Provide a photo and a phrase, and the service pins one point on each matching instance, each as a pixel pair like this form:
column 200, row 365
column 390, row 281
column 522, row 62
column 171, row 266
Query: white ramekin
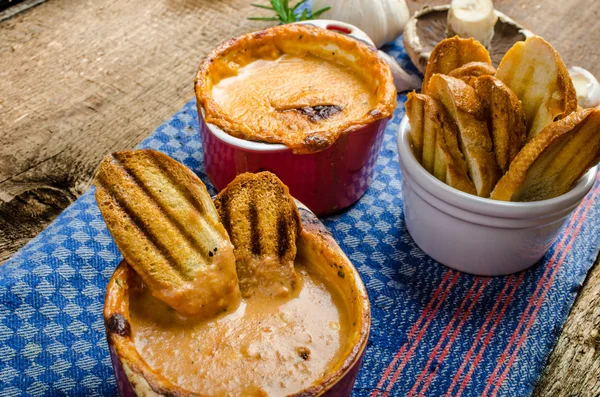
column 478, row 235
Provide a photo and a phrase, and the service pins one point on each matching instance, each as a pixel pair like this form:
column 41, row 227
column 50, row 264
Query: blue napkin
column 435, row 331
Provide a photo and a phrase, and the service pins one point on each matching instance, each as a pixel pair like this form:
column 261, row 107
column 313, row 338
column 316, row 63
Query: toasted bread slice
column 415, row 109
column 439, row 151
column 166, row 226
column 467, row 111
column 554, row 160
column 469, row 72
column 263, row 222
column 451, row 54
column 506, row 120
column 535, row 72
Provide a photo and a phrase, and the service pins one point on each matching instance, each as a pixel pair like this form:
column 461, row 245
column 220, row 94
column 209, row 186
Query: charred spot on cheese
column 118, row 324
column 319, row 112
column 303, row 352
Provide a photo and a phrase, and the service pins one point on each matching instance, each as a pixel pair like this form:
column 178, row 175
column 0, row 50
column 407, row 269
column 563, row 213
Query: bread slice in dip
column 167, row 228
column 263, row 222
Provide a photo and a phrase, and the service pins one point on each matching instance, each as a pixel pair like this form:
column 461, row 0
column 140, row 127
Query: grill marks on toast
column 160, row 216
column 115, row 201
column 263, row 223
column 554, row 160
column 163, row 208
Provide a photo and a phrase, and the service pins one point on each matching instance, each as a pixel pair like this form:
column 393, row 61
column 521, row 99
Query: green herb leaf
column 285, row 13
column 319, row 12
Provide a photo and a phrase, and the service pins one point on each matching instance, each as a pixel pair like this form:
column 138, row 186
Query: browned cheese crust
column 536, row 73
column 263, row 223
column 296, row 40
column 464, row 107
column 554, row 160
column 506, row 120
column 435, row 142
column 451, row 54
column 167, row 228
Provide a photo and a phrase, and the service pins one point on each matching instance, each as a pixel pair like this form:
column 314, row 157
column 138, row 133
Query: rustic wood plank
column 573, row 369
column 81, row 79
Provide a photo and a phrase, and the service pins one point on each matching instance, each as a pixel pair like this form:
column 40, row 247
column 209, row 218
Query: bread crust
column 536, row 73
column 263, row 222
column 440, row 150
column 464, row 107
column 554, row 160
column 164, row 223
column 506, row 119
column 469, row 72
column 452, row 53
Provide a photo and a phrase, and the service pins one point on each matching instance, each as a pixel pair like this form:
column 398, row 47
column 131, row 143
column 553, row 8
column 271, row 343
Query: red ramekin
column 136, row 378
column 326, row 181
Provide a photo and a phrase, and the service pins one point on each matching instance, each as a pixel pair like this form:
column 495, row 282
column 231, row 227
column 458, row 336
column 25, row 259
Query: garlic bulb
column 586, row 86
column 382, row 20
column 403, row 80
column 472, row 18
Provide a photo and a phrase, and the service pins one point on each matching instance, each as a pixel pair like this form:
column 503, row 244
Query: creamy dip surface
column 294, row 95
column 266, row 347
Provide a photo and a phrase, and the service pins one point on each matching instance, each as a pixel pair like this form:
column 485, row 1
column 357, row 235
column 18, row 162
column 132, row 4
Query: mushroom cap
column 427, row 28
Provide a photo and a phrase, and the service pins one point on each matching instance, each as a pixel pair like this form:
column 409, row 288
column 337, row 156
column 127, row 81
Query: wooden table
column 82, row 79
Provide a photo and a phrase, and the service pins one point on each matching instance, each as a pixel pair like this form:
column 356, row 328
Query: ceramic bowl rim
column 486, row 206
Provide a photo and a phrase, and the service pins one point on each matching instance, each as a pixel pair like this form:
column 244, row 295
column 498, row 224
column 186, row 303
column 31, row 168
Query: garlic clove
column 403, row 80
column 382, row 20
column 586, row 86
column 472, row 18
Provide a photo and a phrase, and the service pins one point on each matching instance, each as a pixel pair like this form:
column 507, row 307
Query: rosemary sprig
column 287, row 14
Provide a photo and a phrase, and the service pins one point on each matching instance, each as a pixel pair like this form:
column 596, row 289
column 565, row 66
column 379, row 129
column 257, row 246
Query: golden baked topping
column 269, row 346
column 167, row 228
column 263, row 223
column 451, row 54
column 297, row 85
column 535, row 72
column 553, row 160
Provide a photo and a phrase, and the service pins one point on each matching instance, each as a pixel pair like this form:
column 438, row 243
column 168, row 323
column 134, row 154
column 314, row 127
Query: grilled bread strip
column 535, row 72
column 451, row 54
column 166, row 226
column 263, row 222
column 467, row 111
column 469, row 72
column 554, row 160
column 440, row 152
column 506, row 120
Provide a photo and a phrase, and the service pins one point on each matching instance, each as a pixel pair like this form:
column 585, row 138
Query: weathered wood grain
column 81, row 79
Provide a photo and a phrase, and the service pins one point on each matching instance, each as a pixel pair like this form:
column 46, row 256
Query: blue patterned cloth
column 435, row 331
